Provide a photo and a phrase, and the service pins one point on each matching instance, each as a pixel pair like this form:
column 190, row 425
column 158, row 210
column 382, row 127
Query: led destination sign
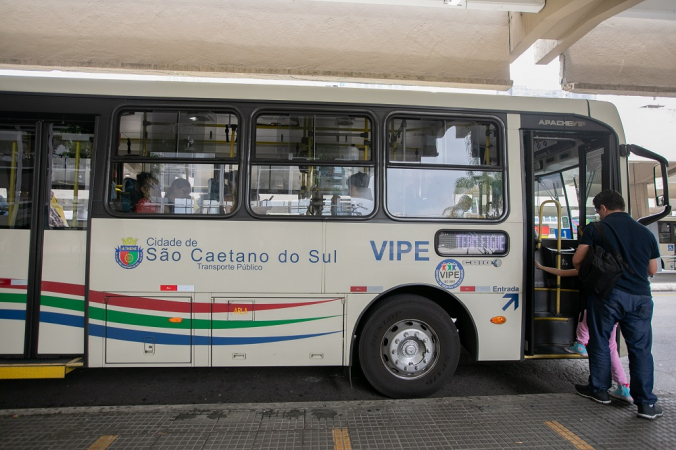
column 472, row 243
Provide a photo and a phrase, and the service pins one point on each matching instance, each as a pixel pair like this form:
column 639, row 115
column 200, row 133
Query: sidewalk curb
column 662, row 287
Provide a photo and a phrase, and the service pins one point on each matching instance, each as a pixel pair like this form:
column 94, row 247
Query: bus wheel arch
column 407, row 341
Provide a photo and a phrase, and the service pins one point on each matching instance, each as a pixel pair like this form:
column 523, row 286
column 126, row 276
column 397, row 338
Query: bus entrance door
column 567, row 172
column 43, row 216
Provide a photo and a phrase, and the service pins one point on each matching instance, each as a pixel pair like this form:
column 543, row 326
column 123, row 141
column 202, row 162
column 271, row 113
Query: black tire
column 394, row 355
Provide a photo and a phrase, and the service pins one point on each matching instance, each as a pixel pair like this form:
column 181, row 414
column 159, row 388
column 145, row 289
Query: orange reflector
column 498, row 319
column 175, row 320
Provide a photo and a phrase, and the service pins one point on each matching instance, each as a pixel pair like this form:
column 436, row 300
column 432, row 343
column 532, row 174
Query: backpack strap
column 599, row 228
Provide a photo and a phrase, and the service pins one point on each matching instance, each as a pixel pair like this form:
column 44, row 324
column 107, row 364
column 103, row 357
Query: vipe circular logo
column 129, row 255
column 449, row 274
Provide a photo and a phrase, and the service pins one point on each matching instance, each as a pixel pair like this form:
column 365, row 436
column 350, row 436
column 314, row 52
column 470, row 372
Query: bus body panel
column 13, row 290
column 398, row 255
column 146, row 330
column 206, row 256
column 225, row 260
column 62, row 295
column 261, row 330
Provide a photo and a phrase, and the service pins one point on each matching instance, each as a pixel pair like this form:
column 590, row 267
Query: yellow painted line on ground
column 103, row 442
column 341, row 439
column 577, row 441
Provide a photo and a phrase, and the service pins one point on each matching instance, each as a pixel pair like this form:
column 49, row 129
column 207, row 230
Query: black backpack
column 601, row 267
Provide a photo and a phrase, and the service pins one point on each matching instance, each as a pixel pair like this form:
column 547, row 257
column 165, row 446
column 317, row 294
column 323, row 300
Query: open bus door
column 567, row 169
column 43, row 220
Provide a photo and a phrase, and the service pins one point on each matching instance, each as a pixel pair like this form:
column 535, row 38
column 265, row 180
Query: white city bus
column 665, row 233
column 188, row 224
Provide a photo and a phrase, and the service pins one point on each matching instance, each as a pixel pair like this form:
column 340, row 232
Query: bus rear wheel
column 409, row 347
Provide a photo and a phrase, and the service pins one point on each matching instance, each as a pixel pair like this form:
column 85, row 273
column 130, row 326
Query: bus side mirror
column 659, row 200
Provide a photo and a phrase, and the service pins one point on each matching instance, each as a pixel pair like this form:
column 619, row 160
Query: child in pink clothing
column 582, row 335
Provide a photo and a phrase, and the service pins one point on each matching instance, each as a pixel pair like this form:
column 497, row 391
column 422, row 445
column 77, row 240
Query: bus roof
column 242, row 89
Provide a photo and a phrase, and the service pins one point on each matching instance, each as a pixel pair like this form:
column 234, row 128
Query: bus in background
column 665, row 232
column 192, row 224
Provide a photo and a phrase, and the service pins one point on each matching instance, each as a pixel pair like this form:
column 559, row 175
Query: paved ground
column 546, row 421
column 542, row 421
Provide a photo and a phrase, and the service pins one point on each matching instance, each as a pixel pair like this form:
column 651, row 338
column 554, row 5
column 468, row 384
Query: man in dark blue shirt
column 630, row 303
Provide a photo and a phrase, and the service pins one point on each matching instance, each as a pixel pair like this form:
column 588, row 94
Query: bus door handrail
column 558, row 247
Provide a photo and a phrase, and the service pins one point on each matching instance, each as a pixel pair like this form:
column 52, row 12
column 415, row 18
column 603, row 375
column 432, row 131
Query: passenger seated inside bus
column 212, row 203
column 127, row 194
column 146, row 186
column 362, row 199
column 178, row 197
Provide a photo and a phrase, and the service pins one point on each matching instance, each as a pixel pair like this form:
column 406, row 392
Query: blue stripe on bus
column 177, row 339
column 62, row 319
column 13, row 314
column 46, row 317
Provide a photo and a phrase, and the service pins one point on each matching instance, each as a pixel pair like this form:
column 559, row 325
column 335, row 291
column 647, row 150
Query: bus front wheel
column 409, row 347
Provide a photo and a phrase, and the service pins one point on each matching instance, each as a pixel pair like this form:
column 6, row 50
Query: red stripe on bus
column 357, row 288
column 63, row 288
column 46, row 286
column 152, row 304
column 467, row 288
column 200, row 308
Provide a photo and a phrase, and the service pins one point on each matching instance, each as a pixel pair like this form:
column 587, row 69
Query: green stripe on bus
column 64, row 303
column 12, row 298
column 198, row 324
column 230, row 324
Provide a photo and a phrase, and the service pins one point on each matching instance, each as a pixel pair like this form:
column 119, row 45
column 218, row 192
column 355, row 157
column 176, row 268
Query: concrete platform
column 545, row 421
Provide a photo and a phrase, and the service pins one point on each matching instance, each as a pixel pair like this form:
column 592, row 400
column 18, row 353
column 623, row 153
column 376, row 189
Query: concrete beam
column 284, row 38
column 560, row 24
column 526, row 29
column 532, row 6
column 602, row 10
column 625, row 56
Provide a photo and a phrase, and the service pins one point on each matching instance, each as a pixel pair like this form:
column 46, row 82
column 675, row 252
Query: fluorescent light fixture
column 528, row 6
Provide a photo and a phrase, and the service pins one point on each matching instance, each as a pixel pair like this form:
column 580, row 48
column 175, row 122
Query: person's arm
column 579, row 255
column 652, row 267
column 557, row 272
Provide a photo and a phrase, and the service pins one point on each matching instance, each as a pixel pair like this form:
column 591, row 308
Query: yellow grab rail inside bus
column 558, row 247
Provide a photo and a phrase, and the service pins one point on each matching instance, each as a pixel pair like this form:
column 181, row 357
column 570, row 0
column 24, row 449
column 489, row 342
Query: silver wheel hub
column 410, row 348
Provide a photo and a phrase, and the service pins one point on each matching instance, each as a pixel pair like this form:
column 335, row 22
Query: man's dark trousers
column 634, row 314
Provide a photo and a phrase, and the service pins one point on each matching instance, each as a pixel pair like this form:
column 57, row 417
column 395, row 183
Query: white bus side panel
column 62, row 297
column 268, row 263
column 487, row 286
column 277, row 331
column 159, row 337
column 13, row 283
column 207, row 256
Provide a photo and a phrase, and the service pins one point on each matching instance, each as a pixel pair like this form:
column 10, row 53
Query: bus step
column 38, row 368
column 552, row 351
column 555, row 330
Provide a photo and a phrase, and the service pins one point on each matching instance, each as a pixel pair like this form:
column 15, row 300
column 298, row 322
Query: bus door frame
column 609, row 178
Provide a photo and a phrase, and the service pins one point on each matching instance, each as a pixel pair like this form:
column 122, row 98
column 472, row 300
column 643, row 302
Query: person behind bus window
column 362, row 199
column 180, row 190
column 146, row 185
